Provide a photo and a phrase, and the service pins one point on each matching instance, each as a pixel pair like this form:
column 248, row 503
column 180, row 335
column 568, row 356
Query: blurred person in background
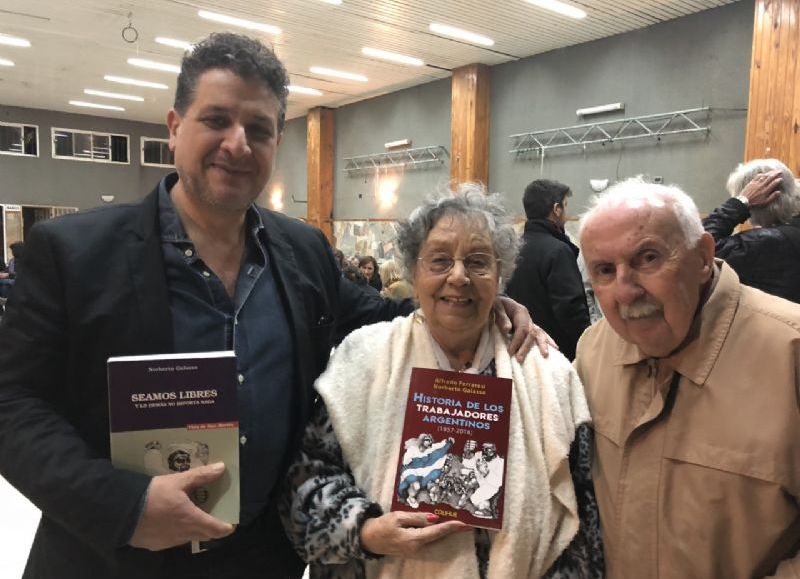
column 369, row 268
column 767, row 256
column 547, row 280
column 394, row 284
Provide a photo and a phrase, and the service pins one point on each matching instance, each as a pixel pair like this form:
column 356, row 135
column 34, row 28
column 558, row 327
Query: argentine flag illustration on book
column 423, row 462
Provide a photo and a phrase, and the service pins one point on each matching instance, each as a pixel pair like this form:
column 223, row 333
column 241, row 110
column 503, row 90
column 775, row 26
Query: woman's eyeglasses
column 479, row 264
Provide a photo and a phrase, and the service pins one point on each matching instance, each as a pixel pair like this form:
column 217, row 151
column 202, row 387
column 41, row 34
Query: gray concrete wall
column 695, row 61
column 43, row 180
column 290, row 174
column 422, row 114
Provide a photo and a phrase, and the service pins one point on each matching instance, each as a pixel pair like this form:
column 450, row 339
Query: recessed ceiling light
column 153, row 65
column 112, row 95
column 460, row 34
column 336, row 2
column 174, row 43
column 240, row 22
column 135, row 82
column 95, row 106
column 304, row 90
column 338, row 73
column 6, row 62
column 14, row 40
column 393, row 56
column 559, row 7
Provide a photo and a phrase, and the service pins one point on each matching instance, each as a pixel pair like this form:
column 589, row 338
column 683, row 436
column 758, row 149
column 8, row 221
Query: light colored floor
column 18, row 520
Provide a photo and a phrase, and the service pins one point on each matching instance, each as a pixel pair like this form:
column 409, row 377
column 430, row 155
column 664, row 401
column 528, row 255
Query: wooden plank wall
column 320, row 169
column 469, row 151
column 773, row 117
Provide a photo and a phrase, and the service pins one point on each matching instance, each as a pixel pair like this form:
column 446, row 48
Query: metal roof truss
column 642, row 127
column 418, row 157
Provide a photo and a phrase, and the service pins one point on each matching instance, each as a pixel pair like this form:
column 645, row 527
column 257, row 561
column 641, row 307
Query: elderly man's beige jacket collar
column 697, row 357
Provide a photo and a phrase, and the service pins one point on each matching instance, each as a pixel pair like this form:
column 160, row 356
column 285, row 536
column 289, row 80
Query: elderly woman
column 456, row 250
column 394, row 284
column 767, row 256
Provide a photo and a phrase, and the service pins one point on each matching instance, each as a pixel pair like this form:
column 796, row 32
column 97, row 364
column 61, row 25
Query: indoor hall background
column 702, row 57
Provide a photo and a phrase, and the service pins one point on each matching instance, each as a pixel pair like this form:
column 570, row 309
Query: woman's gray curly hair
column 470, row 201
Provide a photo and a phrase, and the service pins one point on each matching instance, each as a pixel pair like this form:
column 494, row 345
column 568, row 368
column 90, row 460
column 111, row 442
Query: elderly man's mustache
column 640, row 309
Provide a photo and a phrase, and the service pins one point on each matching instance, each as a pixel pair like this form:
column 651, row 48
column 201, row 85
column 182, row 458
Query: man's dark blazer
column 94, row 286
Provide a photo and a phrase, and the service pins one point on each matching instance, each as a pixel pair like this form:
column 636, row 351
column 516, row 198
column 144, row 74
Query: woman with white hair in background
column 455, row 250
column 767, row 256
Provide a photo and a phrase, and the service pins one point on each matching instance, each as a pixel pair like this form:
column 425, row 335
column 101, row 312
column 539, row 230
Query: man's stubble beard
column 199, row 190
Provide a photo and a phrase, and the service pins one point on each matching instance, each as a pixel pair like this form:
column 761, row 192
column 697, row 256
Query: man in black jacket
column 194, row 267
column 767, row 256
column 547, row 280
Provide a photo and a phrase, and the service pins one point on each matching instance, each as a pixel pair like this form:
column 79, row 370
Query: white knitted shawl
column 365, row 389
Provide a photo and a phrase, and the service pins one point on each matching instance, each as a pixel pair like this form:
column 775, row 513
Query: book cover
column 169, row 413
column 453, row 448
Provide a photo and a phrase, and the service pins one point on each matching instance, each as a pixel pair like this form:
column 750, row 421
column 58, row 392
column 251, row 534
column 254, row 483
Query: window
column 156, row 152
column 19, row 140
column 89, row 146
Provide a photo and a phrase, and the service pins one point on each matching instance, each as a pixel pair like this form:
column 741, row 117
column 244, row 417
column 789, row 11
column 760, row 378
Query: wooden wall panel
column 469, row 151
column 773, row 118
column 320, row 169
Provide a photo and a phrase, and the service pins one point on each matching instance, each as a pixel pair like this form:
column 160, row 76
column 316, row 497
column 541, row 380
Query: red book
column 454, row 447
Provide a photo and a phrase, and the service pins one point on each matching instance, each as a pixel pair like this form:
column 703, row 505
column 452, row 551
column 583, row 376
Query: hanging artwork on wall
column 375, row 238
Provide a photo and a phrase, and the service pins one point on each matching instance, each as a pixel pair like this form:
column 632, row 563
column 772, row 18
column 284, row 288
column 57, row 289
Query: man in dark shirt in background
column 547, row 280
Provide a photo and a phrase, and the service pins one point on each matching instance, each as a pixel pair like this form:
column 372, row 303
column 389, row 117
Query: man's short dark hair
column 541, row 195
column 246, row 57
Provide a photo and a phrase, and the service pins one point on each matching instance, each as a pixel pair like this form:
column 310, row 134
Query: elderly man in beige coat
column 692, row 381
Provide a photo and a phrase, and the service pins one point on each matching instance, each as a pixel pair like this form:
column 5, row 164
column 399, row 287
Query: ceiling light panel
column 96, row 106
column 135, row 82
column 297, row 89
column 112, row 95
column 174, row 43
column 153, row 65
column 9, row 40
column 338, row 73
column 460, row 34
column 6, row 62
column 559, row 8
column 240, row 22
column 392, row 56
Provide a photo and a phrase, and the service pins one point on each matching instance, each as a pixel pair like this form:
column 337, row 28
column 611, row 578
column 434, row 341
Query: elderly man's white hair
column 779, row 211
column 636, row 192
